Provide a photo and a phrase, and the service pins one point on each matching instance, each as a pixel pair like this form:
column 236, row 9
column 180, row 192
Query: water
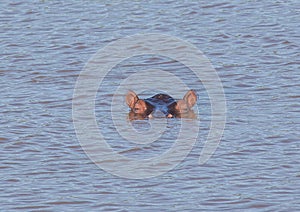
column 254, row 46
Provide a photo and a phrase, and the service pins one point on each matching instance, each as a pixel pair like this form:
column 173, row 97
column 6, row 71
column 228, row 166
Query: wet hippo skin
column 161, row 105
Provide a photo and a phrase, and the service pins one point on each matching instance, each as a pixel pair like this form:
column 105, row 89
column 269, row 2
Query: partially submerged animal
column 161, row 104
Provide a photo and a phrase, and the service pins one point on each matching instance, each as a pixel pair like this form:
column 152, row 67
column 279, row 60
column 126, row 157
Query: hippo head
column 161, row 103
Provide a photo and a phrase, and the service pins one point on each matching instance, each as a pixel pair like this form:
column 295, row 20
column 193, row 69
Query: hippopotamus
column 162, row 105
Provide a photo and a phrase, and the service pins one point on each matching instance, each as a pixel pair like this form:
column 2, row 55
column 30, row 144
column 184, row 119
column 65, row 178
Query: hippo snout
column 158, row 114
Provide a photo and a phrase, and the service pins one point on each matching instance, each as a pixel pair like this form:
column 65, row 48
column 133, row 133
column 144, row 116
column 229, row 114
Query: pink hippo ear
column 190, row 98
column 188, row 101
column 131, row 99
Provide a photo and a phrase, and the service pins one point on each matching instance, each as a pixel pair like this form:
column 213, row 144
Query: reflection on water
column 253, row 45
column 187, row 115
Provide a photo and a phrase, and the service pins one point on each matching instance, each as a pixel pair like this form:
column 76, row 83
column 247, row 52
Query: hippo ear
column 131, row 99
column 190, row 98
